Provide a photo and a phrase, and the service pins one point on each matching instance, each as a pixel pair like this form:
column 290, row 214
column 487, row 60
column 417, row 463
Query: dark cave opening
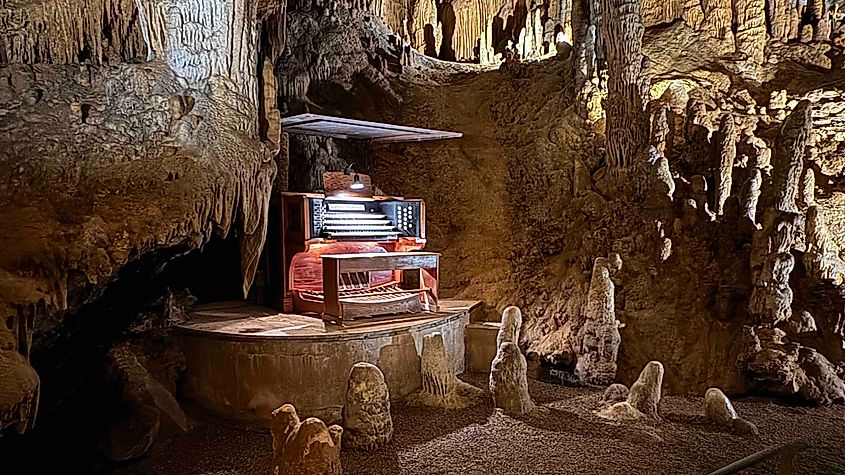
column 78, row 393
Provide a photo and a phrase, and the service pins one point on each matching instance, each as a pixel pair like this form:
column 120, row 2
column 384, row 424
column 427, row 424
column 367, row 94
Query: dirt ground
column 564, row 437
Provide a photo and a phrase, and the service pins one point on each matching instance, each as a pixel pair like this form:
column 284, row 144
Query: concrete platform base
column 245, row 361
column 481, row 345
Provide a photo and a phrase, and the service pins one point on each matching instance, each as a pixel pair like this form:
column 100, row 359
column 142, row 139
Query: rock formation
column 304, row 447
column 440, row 386
column 366, row 416
column 788, row 158
column 726, row 148
column 718, row 408
column 509, row 381
column 644, row 394
column 771, row 263
column 822, row 255
column 146, row 135
column 614, row 393
column 599, row 336
column 135, row 133
column 628, row 82
column 19, row 392
column 751, row 34
column 776, row 365
column 146, row 400
column 510, row 326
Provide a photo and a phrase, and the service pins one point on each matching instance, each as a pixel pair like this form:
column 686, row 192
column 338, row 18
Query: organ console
column 348, row 253
column 347, row 257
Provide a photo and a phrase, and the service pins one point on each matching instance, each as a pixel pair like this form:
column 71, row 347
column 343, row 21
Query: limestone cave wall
column 128, row 127
column 525, row 203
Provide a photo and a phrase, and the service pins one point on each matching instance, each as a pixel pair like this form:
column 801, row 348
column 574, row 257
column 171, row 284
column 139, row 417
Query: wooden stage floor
column 242, row 319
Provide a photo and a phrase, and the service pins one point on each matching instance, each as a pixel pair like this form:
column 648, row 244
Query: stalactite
column 821, row 20
column 628, row 82
column 718, row 16
column 751, row 33
column 780, row 18
column 70, row 31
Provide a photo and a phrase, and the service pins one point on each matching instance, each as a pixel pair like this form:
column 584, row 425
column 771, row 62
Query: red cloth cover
column 306, row 268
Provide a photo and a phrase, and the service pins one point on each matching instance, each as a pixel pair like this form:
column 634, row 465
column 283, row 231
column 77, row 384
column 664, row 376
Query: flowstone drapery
column 440, row 386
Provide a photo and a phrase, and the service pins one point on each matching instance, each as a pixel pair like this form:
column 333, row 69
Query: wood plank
column 331, row 283
column 383, row 261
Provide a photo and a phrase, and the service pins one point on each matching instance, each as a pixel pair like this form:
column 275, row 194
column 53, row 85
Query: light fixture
column 356, row 183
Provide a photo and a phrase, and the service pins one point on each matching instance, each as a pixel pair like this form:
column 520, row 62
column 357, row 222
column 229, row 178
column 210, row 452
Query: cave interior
column 422, row 236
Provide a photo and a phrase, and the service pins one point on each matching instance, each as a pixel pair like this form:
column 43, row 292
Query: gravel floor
column 565, row 437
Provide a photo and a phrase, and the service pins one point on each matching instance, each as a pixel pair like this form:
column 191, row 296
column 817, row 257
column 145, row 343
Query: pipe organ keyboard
column 379, row 234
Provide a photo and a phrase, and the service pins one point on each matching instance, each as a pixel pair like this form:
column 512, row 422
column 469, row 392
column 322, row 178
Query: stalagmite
column 440, row 386
column 145, row 401
column 751, row 33
column 509, row 381
column 304, row 448
column 660, row 128
column 628, row 83
column 645, row 393
column 821, row 257
column 599, row 337
column 788, row 159
column 511, row 324
column 750, row 194
column 366, row 415
column 660, row 179
column 771, row 263
column 642, row 400
column 807, row 191
column 726, row 148
column 614, row 393
column 718, row 408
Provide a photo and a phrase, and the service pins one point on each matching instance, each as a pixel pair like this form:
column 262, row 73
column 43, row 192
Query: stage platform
column 244, row 361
